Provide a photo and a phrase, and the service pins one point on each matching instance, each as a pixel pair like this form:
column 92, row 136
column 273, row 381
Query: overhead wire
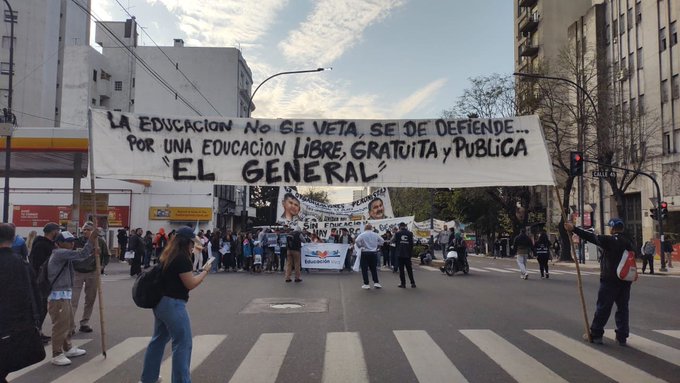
column 169, row 59
column 141, row 61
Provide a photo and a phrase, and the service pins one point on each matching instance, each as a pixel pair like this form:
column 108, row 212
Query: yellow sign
column 102, row 202
column 187, row 214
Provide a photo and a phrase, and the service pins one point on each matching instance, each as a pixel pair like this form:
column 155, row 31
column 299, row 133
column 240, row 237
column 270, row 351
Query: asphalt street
column 488, row 326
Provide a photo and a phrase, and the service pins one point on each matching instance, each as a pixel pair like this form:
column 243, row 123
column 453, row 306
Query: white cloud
column 223, row 22
column 419, row 97
column 333, row 27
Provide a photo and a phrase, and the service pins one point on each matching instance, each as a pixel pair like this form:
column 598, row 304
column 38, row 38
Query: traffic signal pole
column 656, row 185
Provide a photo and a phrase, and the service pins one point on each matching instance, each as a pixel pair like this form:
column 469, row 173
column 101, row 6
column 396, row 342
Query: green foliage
column 318, row 195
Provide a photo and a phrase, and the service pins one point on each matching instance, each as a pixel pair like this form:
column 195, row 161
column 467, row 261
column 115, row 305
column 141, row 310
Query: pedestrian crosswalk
column 514, row 270
column 526, row 356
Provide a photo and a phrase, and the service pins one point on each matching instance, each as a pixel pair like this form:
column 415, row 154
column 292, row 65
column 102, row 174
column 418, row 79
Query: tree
column 318, row 195
column 265, row 201
column 494, row 97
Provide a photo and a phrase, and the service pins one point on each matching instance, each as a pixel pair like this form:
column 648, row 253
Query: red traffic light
column 577, row 157
column 664, row 205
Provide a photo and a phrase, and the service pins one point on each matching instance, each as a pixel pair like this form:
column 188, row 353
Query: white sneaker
column 377, row 285
column 75, row 351
column 365, row 287
column 61, row 360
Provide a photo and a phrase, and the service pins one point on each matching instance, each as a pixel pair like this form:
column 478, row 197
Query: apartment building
column 634, row 43
column 58, row 77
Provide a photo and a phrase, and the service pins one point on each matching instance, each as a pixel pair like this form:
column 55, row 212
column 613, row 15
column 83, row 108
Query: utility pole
column 9, row 115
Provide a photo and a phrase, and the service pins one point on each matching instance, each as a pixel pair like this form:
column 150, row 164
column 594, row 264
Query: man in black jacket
column 612, row 289
column 40, row 253
column 16, row 301
column 403, row 241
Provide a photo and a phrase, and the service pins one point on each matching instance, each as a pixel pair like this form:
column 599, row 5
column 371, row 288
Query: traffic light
column 652, row 213
column 664, row 210
column 576, row 164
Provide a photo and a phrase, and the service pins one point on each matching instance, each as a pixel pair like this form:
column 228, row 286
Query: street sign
column 604, row 174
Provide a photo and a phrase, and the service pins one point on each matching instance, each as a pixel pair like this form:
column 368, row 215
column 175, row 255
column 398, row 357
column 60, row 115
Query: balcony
column 528, row 49
column 527, row 3
column 529, row 24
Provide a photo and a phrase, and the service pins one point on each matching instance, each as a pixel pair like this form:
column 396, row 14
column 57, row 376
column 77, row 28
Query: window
column 664, row 91
column 674, row 33
column 118, row 86
column 638, row 13
column 11, row 18
column 94, row 101
column 631, row 64
column 662, row 39
column 4, row 68
column 622, row 27
column 94, row 75
column 607, row 39
column 640, row 60
column 615, row 26
column 117, row 110
column 667, row 143
column 641, row 105
column 133, row 82
column 6, row 41
column 675, row 87
column 629, row 19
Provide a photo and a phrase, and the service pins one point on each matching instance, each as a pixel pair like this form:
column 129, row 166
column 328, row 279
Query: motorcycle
column 455, row 263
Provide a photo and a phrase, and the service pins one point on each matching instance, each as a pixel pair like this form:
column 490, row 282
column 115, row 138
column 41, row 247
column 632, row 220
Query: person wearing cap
column 61, row 274
column 171, row 319
column 368, row 243
column 403, row 241
column 612, row 289
column 40, row 252
column 86, row 276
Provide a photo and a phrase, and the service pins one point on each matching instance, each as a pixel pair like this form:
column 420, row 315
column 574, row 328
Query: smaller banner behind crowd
column 422, row 229
column 324, row 229
column 294, row 207
column 323, row 255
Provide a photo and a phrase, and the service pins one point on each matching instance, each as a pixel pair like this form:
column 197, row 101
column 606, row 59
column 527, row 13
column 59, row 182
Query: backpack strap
column 57, row 277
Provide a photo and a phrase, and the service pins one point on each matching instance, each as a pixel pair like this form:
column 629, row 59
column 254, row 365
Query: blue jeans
column 612, row 292
column 171, row 321
column 217, row 262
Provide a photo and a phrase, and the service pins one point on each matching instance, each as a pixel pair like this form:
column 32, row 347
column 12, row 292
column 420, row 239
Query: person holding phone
column 171, row 319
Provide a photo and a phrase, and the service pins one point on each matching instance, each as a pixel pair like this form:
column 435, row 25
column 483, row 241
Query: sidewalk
column 589, row 265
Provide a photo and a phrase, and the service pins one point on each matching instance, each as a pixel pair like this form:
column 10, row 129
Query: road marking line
column 263, row 362
column 661, row 351
column 479, row 270
column 428, row 268
column 598, row 360
column 99, row 366
column 673, row 333
column 521, row 366
column 48, row 358
column 203, row 345
column 518, row 270
column 567, row 272
column 426, row 358
column 344, row 359
column 499, row 270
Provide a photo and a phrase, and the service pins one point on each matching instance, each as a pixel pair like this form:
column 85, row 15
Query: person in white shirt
column 368, row 243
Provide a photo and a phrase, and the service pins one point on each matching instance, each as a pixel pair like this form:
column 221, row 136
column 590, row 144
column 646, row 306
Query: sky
column 391, row 59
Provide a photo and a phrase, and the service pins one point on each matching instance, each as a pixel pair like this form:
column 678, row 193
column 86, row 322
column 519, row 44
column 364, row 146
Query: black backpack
column 147, row 290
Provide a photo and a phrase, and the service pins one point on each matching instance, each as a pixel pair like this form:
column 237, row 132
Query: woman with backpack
column 171, row 319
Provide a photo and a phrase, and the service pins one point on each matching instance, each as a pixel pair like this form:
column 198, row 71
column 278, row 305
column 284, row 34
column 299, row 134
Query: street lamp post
column 8, row 114
column 250, row 107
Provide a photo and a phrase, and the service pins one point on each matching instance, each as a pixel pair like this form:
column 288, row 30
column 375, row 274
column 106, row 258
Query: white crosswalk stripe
column 344, row 349
column 598, row 360
column 673, row 333
column 498, row 270
column 48, row 352
column 426, row 358
column 202, row 346
column 661, row 351
column 344, row 358
column 269, row 350
column 100, row 366
column 479, row 270
column 514, row 361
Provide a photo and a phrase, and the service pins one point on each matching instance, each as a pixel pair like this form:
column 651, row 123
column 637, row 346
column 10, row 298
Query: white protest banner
column 295, row 207
column 323, row 229
column 429, row 153
column 323, row 255
column 422, row 229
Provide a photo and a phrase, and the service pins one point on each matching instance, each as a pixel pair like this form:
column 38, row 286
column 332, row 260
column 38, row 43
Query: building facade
column 633, row 47
column 59, row 68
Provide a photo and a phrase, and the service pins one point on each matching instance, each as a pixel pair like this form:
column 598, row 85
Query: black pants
column 543, row 263
column 369, row 260
column 282, row 259
column 406, row 262
column 612, row 292
column 648, row 259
